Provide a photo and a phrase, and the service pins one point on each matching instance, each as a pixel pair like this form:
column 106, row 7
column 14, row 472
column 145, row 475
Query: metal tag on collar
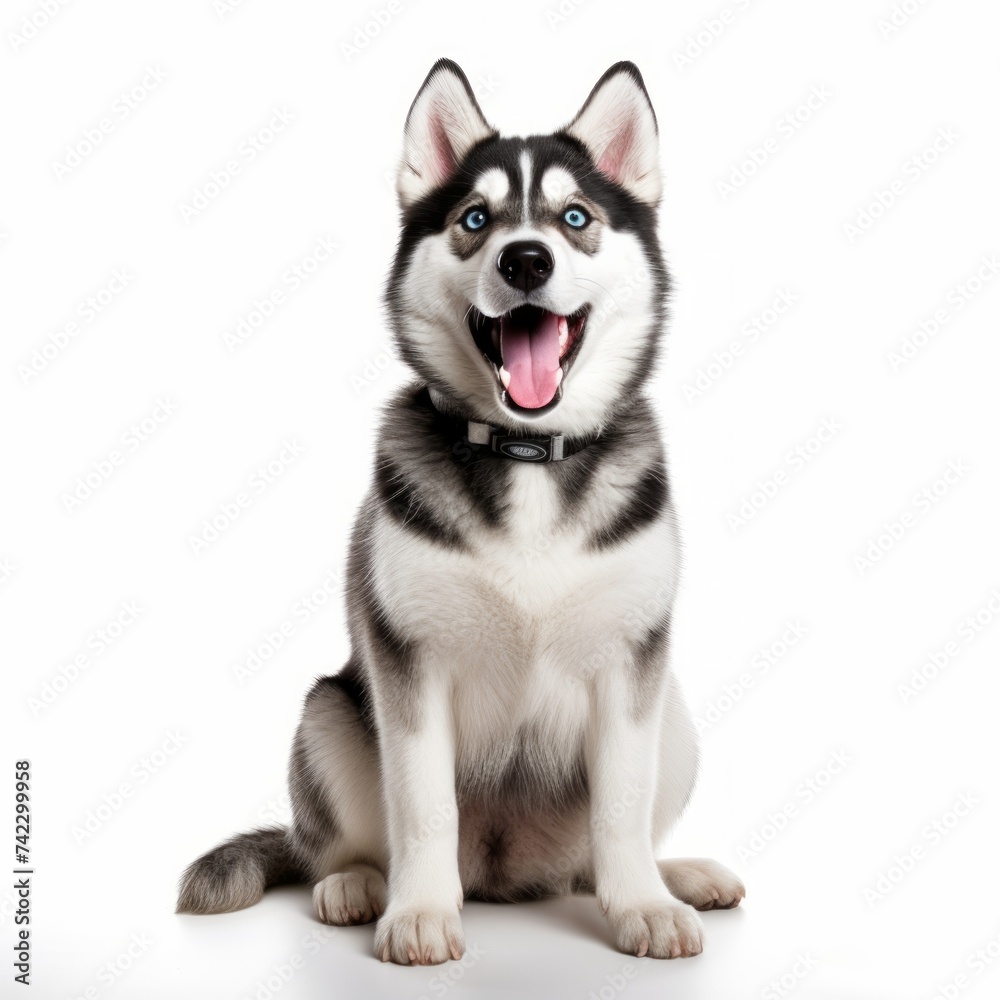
column 521, row 449
column 525, row 449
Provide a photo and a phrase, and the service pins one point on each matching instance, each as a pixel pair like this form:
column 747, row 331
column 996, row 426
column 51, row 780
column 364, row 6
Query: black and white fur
column 508, row 725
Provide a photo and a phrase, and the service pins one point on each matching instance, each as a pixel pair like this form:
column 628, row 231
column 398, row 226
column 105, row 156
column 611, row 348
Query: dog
column 508, row 725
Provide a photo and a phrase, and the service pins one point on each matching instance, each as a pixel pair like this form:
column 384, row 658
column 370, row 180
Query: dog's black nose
column 525, row 265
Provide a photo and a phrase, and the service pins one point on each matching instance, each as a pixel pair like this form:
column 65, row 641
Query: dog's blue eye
column 475, row 218
column 576, row 217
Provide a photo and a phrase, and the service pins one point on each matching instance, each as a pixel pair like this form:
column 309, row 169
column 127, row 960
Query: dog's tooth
column 559, row 377
column 563, row 331
column 504, row 377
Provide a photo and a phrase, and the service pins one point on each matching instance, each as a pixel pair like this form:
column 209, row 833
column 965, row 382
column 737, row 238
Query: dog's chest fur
column 518, row 581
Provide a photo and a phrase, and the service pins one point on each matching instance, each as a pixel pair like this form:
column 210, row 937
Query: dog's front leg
column 416, row 739
column 622, row 772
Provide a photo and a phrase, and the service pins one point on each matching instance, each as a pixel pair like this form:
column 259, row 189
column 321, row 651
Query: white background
column 315, row 372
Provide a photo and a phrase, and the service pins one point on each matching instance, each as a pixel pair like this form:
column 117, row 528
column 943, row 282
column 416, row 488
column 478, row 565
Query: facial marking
column 558, row 185
column 493, row 185
column 492, row 192
column 558, row 190
column 525, row 186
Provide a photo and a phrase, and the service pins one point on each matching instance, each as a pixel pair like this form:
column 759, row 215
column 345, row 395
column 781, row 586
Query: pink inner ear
column 445, row 163
column 614, row 159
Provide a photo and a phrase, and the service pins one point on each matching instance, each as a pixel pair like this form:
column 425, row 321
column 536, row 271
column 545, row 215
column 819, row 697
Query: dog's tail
column 236, row 873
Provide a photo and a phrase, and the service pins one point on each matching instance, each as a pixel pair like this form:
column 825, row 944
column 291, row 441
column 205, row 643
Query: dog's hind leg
column 703, row 883
column 339, row 823
column 355, row 895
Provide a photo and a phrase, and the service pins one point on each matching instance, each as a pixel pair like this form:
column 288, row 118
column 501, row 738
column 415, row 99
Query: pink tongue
column 532, row 358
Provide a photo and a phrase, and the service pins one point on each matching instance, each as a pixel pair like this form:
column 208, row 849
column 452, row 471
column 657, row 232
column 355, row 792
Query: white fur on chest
column 522, row 618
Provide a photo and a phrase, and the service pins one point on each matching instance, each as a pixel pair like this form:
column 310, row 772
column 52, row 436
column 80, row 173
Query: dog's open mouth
column 531, row 351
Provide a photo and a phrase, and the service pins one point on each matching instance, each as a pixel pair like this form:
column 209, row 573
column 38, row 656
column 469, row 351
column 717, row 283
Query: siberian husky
column 508, row 725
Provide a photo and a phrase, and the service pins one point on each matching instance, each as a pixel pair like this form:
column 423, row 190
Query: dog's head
column 528, row 283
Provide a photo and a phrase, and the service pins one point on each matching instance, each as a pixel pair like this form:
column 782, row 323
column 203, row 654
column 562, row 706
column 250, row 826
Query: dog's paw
column 703, row 883
column 351, row 897
column 421, row 935
column 657, row 929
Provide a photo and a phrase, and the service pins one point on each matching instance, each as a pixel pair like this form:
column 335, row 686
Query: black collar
column 520, row 447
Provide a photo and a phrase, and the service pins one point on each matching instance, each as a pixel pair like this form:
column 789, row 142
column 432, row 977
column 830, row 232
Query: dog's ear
column 618, row 127
column 444, row 123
